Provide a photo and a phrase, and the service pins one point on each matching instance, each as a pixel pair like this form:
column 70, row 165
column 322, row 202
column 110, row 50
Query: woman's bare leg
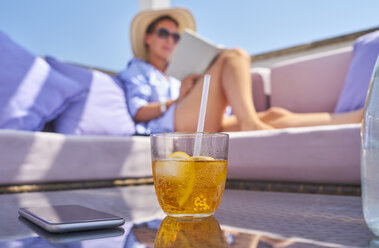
column 282, row 118
column 230, row 84
column 236, row 79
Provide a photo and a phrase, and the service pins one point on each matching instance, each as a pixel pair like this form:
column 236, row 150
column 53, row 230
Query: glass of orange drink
column 189, row 185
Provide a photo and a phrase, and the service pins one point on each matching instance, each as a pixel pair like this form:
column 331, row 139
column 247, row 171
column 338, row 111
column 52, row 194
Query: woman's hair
column 150, row 29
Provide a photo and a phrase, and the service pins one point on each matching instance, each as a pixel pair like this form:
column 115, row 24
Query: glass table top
column 244, row 219
column 169, row 232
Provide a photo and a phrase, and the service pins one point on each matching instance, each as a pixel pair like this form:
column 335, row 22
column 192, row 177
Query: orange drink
column 189, row 186
column 204, row 232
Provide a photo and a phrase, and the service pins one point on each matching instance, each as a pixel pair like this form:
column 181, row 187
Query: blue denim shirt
column 145, row 84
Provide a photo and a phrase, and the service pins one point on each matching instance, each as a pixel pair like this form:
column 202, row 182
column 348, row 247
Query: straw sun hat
column 143, row 19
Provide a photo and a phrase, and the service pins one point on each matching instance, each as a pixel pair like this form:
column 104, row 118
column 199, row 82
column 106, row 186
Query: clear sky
column 96, row 32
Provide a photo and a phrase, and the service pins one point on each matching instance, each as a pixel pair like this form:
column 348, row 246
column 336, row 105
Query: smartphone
column 68, row 218
column 68, row 237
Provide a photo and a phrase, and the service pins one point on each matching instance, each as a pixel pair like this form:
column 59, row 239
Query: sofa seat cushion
column 323, row 154
column 40, row 157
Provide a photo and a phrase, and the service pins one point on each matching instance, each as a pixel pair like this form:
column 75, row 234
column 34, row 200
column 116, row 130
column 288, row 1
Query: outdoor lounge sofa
column 321, row 154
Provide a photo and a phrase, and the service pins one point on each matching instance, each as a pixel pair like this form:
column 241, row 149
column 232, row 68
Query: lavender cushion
column 353, row 94
column 31, row 92
column 102, row 112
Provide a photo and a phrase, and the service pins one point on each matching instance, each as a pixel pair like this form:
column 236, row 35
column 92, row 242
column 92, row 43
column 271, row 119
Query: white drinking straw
column 203, row 110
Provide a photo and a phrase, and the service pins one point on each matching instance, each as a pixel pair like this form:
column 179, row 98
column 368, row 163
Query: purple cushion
column 102, row 112
column 31, row 92
column 353, row 94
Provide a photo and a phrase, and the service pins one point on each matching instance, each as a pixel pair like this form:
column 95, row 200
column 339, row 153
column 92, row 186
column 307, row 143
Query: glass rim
column 189, row 134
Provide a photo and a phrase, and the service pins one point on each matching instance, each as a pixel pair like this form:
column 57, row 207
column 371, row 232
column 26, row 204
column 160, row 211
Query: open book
column 193, row 55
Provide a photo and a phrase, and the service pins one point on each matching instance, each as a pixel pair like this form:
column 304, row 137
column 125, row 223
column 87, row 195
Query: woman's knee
column 235, row 52
column 241, row 53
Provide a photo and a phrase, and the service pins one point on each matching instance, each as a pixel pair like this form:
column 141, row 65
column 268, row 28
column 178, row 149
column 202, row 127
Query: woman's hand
column 187, row 84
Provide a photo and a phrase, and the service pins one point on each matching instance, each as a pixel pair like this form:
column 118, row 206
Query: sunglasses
column 164, row 34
